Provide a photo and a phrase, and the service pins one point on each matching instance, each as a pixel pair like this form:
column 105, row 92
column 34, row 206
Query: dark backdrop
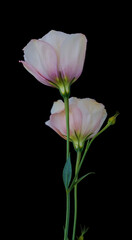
column 35, row 189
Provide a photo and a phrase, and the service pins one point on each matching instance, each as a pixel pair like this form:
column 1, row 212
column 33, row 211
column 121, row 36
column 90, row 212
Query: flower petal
column 101, row 116
column 42, row 57
column 55, row 39
column 35, row 73
column 75, row 120
column 58, row 123
column 49, row 124
column 94, row 115
column 72, row 55
column 57, row 107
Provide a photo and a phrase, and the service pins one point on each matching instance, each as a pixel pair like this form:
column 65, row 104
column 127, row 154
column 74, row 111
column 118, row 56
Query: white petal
column 101, row 118
column 94, row 115
column 57, row 107
column 55, row 39
column 72, row 56
column 42, row 57
column 73, row 100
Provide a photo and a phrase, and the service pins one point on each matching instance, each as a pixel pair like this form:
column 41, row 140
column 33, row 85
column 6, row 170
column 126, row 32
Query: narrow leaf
column 80, row 179
column 67, row 173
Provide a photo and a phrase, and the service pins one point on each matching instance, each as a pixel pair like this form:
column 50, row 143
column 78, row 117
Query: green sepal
column 67, row 173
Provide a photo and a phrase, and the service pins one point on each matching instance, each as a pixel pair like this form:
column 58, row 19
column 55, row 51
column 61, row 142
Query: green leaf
column 80, row 179
column 67, row 173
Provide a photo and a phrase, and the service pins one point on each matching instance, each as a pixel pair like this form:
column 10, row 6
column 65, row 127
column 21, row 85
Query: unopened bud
column 112, row 120
column 81, row 238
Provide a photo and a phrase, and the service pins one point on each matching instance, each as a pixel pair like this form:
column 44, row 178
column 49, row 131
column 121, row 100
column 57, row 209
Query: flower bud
column 81, row 238
column 112, row 120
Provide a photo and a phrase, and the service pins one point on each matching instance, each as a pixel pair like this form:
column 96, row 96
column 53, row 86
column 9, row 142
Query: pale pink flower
column 86, row 117
column 56, row 59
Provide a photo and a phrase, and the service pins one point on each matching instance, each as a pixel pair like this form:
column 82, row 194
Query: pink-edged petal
column 58, row 123
column 42, row 57
column 55, row 39
column 49, row 124
column 35, row 73
column 72, row 56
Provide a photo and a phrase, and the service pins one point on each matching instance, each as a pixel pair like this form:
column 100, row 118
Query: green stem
column 66, row 101
column 75, row 195
column 67, row 216
column 89, row 144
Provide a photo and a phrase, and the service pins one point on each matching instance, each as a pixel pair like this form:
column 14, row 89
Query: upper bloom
column 86, row 117
column 56, row 59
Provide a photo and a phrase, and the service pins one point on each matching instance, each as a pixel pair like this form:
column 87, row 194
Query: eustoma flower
column 86, row 117
column 56, row 59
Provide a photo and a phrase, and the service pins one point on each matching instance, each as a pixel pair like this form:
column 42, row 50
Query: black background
column 36, row 196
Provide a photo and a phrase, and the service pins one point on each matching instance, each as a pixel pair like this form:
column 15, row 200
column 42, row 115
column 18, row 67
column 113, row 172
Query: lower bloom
column 86, row 117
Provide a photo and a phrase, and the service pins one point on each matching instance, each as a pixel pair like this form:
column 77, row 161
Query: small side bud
column 112, row 120
column 81, row 238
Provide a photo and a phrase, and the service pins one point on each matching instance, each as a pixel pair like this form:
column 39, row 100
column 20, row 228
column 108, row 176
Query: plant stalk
column 75, row 194
column 66, row 101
